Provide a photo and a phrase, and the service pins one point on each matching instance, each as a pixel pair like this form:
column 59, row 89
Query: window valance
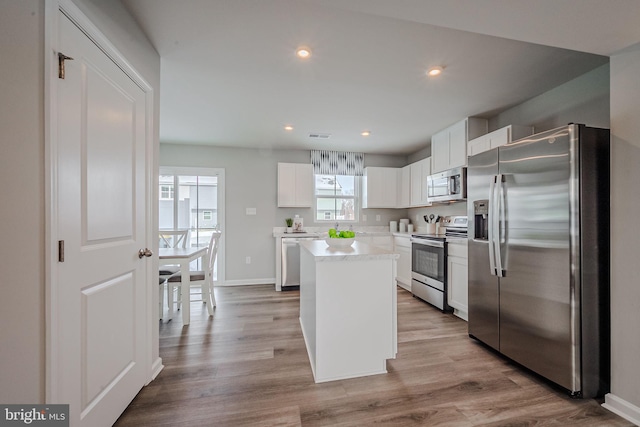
column 337, row 162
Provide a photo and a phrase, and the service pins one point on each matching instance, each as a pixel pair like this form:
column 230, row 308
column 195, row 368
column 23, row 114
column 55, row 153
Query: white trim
column 52, row 29
column 618, row 406
column 247, row 282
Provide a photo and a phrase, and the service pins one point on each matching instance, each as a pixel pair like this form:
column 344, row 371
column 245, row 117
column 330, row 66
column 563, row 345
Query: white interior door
column 101, row 284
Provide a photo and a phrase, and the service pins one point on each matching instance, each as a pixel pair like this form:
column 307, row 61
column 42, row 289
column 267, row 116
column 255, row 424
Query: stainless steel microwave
column 447, row 186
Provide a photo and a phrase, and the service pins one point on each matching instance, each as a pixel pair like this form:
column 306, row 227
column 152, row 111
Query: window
column 336, row 197
column 166, row 191
column 207, row 215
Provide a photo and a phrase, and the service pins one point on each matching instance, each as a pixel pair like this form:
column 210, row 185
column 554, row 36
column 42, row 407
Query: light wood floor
column 248, row 366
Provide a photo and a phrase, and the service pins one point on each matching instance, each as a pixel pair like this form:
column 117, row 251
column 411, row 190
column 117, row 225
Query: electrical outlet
column 248, row 260
column 377, row 217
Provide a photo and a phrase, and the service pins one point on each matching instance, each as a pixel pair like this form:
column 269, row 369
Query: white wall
column 22, row 306
column 251, row 179
column 22, row 225
column 625, row 232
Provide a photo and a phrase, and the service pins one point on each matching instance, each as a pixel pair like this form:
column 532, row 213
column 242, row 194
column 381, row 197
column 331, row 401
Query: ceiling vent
column 320, row 135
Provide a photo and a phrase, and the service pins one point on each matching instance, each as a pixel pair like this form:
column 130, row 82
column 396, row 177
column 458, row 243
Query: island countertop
column 356, row 252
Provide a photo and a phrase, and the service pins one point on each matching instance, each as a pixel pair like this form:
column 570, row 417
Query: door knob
column 145, row 252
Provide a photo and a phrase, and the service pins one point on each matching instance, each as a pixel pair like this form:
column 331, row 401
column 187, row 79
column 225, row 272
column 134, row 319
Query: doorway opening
column 193, row 199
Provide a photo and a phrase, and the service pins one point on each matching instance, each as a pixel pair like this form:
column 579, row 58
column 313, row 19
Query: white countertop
column 357, row 251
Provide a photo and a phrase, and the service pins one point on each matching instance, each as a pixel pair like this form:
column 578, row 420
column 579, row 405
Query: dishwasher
column 291, row 261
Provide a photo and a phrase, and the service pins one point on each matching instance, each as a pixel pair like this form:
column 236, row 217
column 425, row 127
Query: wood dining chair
column 202, row 278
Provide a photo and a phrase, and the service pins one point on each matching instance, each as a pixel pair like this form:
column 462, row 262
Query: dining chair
column 173, row 238
column 163, row 283
column 199, row 278
column 169, row 239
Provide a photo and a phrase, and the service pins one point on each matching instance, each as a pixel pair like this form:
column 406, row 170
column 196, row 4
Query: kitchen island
column 348, row 309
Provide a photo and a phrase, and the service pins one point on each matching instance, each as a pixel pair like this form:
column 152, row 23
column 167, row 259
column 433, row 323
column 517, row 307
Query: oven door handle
column 425, row 242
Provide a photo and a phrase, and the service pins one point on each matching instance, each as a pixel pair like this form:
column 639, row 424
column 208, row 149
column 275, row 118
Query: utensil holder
column 431, row 228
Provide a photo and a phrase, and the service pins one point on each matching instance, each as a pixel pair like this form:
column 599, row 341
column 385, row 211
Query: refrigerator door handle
column 500, row 218
column 491, row 226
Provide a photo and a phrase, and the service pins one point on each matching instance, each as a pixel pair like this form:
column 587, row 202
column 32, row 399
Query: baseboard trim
column 245, row 282
column 618, row 406
column 156, row 367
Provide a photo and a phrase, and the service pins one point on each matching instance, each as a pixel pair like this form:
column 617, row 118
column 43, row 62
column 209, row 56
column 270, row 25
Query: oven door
column 427, row 260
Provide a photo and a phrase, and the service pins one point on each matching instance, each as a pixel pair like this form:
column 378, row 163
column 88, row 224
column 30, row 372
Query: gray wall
column 22, row 170
column 584, row 99
column 625, row 234
column 251, row 180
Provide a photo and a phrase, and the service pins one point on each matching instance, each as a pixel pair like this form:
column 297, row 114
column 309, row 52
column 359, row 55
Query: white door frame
column 53, row 349
column 219, row 172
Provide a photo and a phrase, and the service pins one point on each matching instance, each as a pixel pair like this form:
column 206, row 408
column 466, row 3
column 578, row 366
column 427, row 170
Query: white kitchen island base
column 348, row 309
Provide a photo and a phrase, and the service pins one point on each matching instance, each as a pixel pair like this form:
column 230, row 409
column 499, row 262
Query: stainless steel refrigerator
column 538, row 213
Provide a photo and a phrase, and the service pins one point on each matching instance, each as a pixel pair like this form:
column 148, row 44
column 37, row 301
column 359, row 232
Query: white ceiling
column 230, row 77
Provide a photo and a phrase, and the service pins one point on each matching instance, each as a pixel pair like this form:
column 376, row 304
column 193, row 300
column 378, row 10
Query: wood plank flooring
column 248, row 366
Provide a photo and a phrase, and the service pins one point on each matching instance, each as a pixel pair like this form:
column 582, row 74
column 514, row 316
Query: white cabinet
column 449, row 146
column 402, row 246
column 418, row 174
column 404, row 187
column 384, row 241
column 295, row 185
column 497, row 138
column 380, row 186
column 458, row 277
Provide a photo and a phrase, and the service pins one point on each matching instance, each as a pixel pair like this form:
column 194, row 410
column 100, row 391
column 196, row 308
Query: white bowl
column 339, row 242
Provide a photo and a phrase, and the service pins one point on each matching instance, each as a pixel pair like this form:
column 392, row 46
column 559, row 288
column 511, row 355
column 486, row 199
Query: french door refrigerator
column 538, row 213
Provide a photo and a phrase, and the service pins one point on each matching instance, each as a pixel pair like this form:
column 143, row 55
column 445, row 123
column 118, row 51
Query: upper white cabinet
column 418, row 173
column 449, row 146
column 379, row 187
column 497, row 138
column 404, row 187
column 295, row 185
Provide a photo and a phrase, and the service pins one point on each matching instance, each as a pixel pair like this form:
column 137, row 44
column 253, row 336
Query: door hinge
column 61, row 58
column 60, row 250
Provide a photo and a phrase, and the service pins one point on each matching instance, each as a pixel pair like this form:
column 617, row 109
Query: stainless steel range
column 429, row 262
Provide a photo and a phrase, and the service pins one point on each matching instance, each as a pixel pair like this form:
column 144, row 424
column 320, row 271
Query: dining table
column 183, row 257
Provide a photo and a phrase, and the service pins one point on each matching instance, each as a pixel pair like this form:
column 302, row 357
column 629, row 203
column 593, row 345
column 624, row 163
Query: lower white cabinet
column 458, row 277
column 383, row 241
column 402, row 246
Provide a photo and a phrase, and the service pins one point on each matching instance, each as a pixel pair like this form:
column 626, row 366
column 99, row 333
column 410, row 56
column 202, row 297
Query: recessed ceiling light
column 365, row 133
column 435, row 71
column 303, row 52
column 288, row 127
